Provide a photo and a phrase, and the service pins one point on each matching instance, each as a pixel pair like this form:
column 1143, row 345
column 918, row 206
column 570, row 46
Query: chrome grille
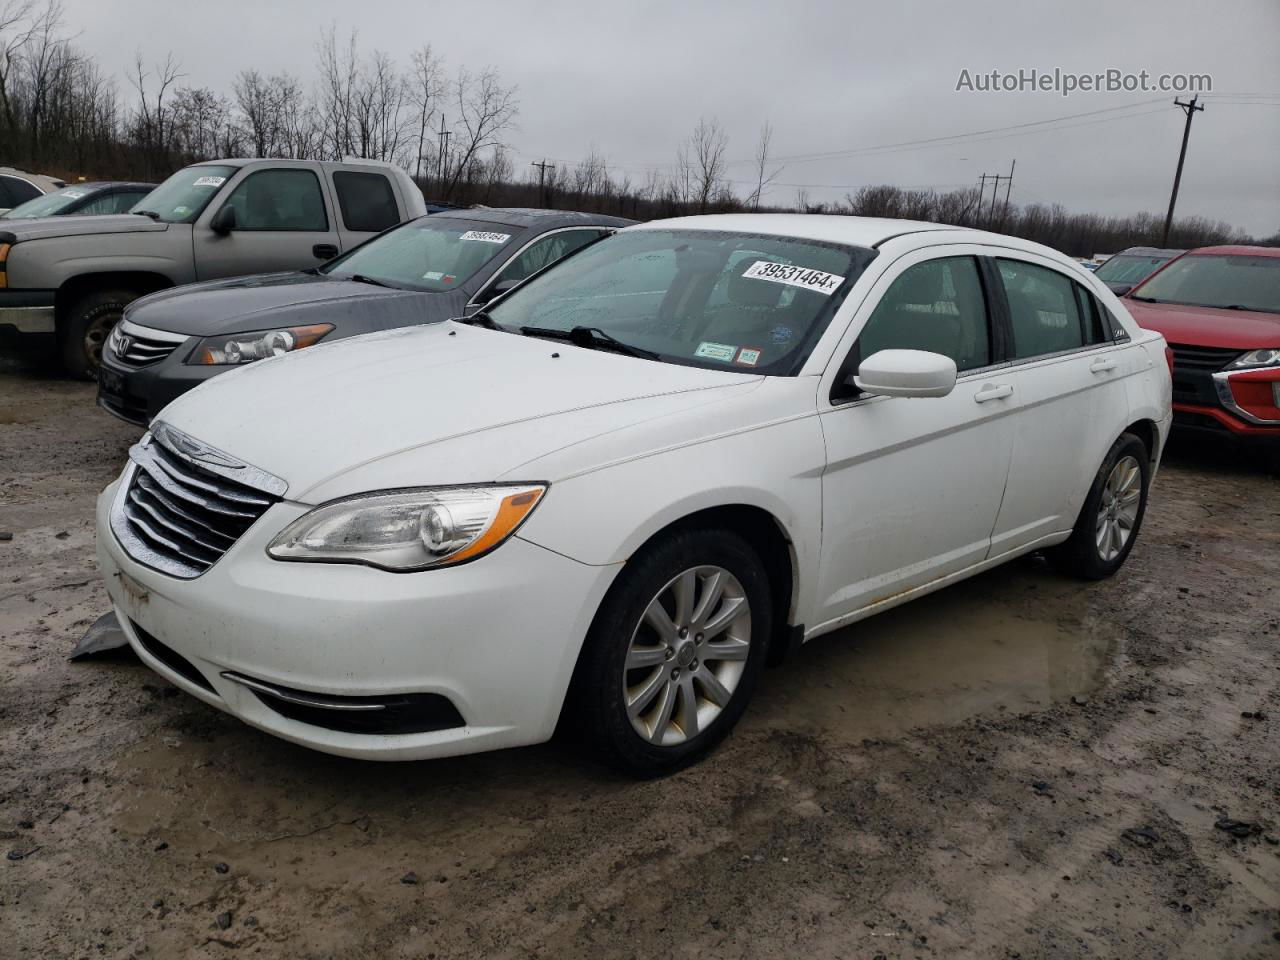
column 1201, row 359
column 178, row 510
column 137, row 346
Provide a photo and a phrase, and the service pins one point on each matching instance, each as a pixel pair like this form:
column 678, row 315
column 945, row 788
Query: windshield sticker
column 486, row 236
column 209, row 181
column 748, row 356
column 782, row 334
column 73, row 194
column 448, row 278
column 716, row 351
column 816, row 280
column 432, row 275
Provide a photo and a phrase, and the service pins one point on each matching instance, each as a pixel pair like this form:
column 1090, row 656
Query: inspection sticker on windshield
column 816, row 280
column 209, row 181
column 73, row 194
column 716, row 351
column 486, row 236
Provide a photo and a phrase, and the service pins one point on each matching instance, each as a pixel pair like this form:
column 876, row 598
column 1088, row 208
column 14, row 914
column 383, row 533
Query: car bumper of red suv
column 1245, row 403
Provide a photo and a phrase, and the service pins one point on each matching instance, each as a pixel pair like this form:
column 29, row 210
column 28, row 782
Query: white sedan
column 630, row 482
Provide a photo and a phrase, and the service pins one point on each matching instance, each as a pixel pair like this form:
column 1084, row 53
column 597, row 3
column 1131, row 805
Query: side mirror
column 906, row 373
column 224, row 221
column 1119, row 289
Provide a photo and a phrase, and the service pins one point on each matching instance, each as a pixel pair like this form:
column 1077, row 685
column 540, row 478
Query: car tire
column 1108, row 524
column 635, row 668
column 85, row 328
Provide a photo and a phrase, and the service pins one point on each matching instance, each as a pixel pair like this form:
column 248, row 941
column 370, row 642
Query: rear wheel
column 84, row 330
column 1108, row 524
column 674, row 652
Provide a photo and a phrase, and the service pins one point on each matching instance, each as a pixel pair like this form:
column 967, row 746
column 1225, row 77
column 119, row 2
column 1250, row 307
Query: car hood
column 281, row 299
column 1208, row 326
column 44, row 228
column 440, row 404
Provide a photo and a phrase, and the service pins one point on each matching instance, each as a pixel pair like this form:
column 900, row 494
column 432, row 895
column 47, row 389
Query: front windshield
column 1128, row 268
column 47, row 204
column 430, row 253
column 182, row 197
column 727, row 301
column 1242, row 282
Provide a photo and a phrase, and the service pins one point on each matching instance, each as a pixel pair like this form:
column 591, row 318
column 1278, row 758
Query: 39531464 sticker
column 486, row 236
column 818, row 281
column 724, row 352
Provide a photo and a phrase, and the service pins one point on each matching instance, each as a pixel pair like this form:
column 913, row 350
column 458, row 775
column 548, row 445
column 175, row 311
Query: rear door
column 1069, row 374
column 913, row 484
column 366, row 204
column 282, row 223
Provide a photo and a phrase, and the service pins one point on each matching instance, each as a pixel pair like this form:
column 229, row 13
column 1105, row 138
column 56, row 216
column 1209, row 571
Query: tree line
column 61, row 113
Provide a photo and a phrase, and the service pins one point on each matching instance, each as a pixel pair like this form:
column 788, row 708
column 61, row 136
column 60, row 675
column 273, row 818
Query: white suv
column 629, row 482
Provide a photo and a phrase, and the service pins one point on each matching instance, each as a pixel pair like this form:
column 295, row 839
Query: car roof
column 1235, row 250
column 525, row 217
column 104, row 184
column 832, row 228
column 1149, row 252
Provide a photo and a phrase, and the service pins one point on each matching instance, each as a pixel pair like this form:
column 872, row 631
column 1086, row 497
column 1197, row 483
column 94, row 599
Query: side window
column 279, row 200
column 19, row 190
column 104, row 203
column 1043, row 310
column 937, row 306
column 545, row 251
column 6, row 201
column 1096, row 320
column 366, row 200
column 125, row 201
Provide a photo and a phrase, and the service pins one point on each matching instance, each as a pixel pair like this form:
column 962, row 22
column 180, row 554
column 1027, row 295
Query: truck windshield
column 753, row 303
column 182, row 197
column 1214, row 280
column 431, row 253
column 47, row 204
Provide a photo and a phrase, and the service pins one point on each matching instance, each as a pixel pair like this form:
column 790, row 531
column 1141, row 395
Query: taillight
column 1168, row 358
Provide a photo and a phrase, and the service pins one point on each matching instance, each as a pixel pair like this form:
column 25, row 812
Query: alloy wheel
column 687, row 655
column 95, row 336
column 1118, row 509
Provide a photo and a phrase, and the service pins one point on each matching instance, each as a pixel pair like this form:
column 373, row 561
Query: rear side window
column 366, row 200
column 545, row 251
column 19, row 190
column 937, row 306
column 1043, row 310
column 279, row 200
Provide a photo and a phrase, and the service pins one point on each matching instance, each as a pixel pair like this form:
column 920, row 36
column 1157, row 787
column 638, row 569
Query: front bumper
column 138, row 394
column 1244, row 403
column 28, row 311
column 498, row 638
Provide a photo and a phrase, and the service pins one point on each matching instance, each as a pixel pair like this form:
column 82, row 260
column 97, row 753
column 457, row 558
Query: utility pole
column 542, row 166
column 1190, row 110
column 443, row 143
column 1008, row 187
column 995, row 179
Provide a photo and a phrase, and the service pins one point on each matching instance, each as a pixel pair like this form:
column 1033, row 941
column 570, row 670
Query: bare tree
column 15, row 33
column 486, row 109
column 426, row 87
column 763, row 178
column 706, row 154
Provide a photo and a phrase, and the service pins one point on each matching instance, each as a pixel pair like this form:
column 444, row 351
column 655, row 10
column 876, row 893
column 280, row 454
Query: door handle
column 324, row 251
column 993, row 391
column 1102, row 365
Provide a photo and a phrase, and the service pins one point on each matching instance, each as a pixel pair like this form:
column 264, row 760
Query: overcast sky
column 633, row 78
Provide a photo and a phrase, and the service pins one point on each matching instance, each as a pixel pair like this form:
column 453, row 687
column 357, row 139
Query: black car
column 443, row 265
column 82, row 199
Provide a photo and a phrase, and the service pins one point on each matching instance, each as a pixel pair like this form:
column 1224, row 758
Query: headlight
column 234, row 348
column 1266, row 357
column 409, row 529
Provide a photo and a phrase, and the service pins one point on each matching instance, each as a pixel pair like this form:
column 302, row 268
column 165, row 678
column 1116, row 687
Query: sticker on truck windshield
column 485, row 236
column 816, row 280
column 73, row 194
column 209, row 181
column 716, row 351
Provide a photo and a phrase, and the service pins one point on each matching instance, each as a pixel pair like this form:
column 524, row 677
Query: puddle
column 972, row 648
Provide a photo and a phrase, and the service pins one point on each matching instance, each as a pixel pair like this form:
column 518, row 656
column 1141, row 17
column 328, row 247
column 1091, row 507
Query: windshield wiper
column 591, row 338
column 372, row 281
column 1146, row 299
column 146, row 213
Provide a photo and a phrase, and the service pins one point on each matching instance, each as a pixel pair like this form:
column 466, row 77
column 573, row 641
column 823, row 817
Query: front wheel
column 1108, row 525
column 84, row 330
column 675, row 651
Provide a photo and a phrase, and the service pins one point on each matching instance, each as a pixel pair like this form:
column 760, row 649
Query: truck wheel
column 84, row 330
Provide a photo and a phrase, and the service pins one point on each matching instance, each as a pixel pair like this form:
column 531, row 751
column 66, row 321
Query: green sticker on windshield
column 716, row 351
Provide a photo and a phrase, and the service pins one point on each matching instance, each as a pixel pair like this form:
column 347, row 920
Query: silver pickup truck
column 73, row 276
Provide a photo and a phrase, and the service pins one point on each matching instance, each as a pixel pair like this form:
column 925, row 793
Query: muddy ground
column 1020, row 766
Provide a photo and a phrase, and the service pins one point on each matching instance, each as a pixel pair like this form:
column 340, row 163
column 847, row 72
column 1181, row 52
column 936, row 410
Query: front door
column 281, row 224
column 913, row 485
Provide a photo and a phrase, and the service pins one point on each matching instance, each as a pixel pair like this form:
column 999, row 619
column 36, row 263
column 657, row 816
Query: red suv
column 1219, row 311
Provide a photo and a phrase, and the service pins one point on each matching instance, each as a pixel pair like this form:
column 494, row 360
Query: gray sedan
column 429, row 269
